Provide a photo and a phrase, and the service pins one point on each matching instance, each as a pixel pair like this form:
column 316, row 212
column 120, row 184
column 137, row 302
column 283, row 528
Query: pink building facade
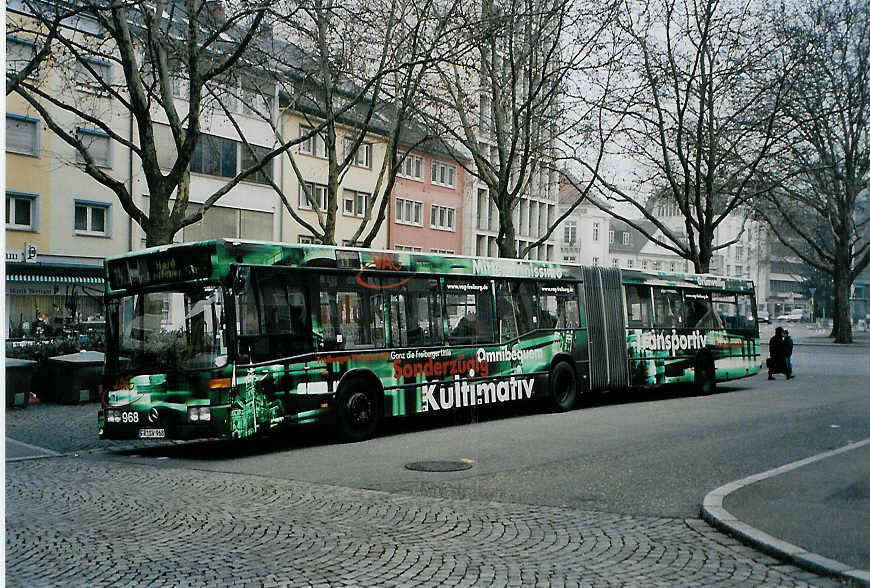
column 425, row 208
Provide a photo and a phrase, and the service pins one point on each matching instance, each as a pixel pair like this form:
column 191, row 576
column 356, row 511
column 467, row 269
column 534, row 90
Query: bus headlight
column 197, row 414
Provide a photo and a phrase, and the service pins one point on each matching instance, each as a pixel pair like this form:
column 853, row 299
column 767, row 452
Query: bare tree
column 821, row 178
column 690, row 107
column 353, row 70
column 174, row 58
column 499, row 106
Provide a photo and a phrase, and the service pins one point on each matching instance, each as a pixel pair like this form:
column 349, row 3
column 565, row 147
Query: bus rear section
column 648, row 330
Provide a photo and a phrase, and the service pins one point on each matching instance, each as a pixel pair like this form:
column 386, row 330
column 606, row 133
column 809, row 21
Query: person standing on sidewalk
column 787, row 348
column 776, row 362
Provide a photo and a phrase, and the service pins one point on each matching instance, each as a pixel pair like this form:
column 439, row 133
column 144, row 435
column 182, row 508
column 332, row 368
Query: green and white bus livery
column 228, row 339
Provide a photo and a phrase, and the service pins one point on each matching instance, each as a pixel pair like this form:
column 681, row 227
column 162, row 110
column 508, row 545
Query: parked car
column 793, row 316
column 763, row 318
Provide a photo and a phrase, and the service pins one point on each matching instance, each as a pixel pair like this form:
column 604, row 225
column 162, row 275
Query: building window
column 19, row 53
column 673, row 266
column 569, row 258
column 255, row 103
column 409, row 212
column 21, row 211
column 251, row 156
column 643, row 264
column 411, row 167
column 570, row 232
column 97, row 144
column 22, row 135
column 92, row 75
column 410, row 248
column 626, row 238
column 308, row 240
column 354, row 203
column 738, row 270
column 317, row 192
column 610, row 237
column 363, row 155
column 91, row 218
column 615, row 262
column 315, row 145
column 595, row 230
column 215, row 156
column 629, row 263
column 443, row 174
column 595, row 261
column 443, row 218
column 443, row 251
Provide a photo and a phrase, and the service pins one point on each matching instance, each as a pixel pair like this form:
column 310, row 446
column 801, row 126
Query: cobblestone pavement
column 59, row 427
column 82, row 521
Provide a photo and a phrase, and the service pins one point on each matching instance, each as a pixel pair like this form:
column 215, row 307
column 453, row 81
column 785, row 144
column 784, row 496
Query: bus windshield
column 171, row 330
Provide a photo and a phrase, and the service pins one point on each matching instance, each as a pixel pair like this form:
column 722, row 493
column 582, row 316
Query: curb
column 713, row 512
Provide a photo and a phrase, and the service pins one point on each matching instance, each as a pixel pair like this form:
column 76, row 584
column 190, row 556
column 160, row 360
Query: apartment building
column 583, row 233
column 426, row 202
column 357, row 189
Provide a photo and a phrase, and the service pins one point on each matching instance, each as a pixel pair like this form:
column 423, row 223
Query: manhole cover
column 438, row 466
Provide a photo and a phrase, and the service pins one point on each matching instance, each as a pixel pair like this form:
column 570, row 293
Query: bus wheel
column 563, row 387
column 705, row 375
column 357, row 411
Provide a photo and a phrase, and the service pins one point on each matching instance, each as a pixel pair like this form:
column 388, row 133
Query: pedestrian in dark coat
column 787, row 348
column 776, row 363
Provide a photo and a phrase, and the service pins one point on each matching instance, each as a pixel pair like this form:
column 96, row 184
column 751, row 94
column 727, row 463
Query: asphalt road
column 653, row 455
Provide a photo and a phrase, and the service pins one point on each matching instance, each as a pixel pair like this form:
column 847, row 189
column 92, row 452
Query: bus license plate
column 152, row 433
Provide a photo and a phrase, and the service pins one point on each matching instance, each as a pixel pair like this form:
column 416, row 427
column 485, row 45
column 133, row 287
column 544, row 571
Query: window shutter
column 21, row 135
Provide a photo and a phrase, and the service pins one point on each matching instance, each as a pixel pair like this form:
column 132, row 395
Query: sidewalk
column 807, row 334
column 813, row 513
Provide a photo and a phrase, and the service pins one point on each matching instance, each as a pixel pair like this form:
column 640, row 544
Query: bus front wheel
column 357, row 412
column 705, row 375
column 563, row 387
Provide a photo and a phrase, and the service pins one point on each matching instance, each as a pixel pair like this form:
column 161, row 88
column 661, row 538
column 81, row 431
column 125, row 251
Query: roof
column 637, row 239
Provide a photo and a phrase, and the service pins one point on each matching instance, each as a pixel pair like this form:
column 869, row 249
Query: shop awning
column 55, row 279
column 40, row 273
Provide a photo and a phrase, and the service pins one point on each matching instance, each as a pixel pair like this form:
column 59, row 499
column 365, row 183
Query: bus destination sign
column 176, row 265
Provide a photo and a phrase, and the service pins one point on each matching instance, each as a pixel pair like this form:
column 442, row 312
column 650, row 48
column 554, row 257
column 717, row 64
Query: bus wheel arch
column 705, row 373
column 359, row 405
column 563, row 383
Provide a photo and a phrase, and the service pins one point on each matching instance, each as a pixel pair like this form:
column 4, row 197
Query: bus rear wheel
column 705, row 375
column 357, row 414
column 563, row 387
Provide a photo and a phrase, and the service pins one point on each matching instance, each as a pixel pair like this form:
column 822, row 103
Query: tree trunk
column 842, row 312
column 159, row 230
column 506, row 240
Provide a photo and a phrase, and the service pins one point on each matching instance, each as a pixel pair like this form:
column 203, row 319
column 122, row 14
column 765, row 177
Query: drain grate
column 438, row 466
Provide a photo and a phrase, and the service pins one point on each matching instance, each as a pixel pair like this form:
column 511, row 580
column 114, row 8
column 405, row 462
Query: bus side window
column 525, row 306
column 415, row 314
column 351, row 316
column 725, row 306
column 639, row 306
column 246, row 311
column 746, row 307
column 507, row 320
column 569, row 313
column 699, row 313
column 469, row 312
column 668, row 308
column 549, row 306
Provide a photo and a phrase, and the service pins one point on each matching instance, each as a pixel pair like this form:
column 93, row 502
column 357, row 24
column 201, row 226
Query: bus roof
column 210, row 260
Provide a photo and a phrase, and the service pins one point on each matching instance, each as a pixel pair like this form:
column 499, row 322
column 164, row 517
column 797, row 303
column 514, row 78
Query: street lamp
column 812, row 304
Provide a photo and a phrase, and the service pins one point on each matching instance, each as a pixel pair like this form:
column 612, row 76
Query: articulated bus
column 235, row 338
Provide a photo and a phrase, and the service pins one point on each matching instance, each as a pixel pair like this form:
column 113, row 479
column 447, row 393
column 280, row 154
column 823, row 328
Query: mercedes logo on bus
column 153, row 415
